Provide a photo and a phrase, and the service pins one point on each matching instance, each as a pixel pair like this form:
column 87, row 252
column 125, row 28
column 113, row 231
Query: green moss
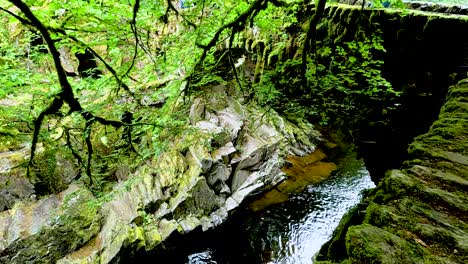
column 369, row 244
column 152, row 236
column 335, row 249
column 395, row 184
column 378, row 215
column 135, row 238
column 414, row 215
column 43, row 173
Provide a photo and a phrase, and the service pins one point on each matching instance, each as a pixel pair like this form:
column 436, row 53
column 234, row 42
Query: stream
column 294, row 231
column 286, row 233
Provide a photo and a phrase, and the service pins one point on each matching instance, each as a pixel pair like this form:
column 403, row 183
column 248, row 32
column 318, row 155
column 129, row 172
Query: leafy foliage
column 343, row 82
column 151, row 55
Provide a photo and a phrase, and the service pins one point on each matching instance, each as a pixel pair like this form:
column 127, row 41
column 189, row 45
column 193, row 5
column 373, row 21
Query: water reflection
column 294, row 231
column 323, row 206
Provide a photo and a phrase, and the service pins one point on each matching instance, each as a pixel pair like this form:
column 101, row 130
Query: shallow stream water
column 290, row 232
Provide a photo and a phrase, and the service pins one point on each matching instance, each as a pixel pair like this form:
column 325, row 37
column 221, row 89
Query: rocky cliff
column 229, row 151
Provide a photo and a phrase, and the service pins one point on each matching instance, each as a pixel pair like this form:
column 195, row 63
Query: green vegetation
column 336, row 77
column 413, row 216
column 109, row 82
column 96, row 89
column 104, row 80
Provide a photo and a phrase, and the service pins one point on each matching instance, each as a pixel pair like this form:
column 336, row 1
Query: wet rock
column 301, row 172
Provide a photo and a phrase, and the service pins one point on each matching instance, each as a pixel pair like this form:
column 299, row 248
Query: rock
column 221, row 188
column 239, row 178
column 46, row 230
column 231, row 121
column 416, row 214
column 254, row 158
column 370, row 244
column 68, row 62
column 14, row 186
column 197, row 111
column 208, row 127
column 212, row 118
column 204, row 197
column 224, row 152
column 87, row 254
column 190, row 223
column 220, row 172
column 189, row 185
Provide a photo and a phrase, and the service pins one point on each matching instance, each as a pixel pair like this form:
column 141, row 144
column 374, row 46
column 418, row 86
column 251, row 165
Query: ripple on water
column 325, row 204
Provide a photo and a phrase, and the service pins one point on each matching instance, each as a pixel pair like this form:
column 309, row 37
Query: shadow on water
column 290, row 232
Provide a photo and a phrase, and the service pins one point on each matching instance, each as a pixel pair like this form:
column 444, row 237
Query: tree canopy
column 104, row 80
column 74, row 71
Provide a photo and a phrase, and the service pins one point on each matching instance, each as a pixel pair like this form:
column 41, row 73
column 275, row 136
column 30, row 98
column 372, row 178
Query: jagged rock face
column 229, row 151
column 16, row 187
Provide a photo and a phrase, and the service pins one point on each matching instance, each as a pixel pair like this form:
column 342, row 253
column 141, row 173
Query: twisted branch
column 66, row 94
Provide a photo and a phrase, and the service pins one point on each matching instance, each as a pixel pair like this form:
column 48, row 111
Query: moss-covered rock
column 416, row 214
column 370, row 244
column 49, row 229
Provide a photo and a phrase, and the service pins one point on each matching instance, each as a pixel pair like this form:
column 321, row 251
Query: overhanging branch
column 236, row 25
column 66, row 94
column 133, row 26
